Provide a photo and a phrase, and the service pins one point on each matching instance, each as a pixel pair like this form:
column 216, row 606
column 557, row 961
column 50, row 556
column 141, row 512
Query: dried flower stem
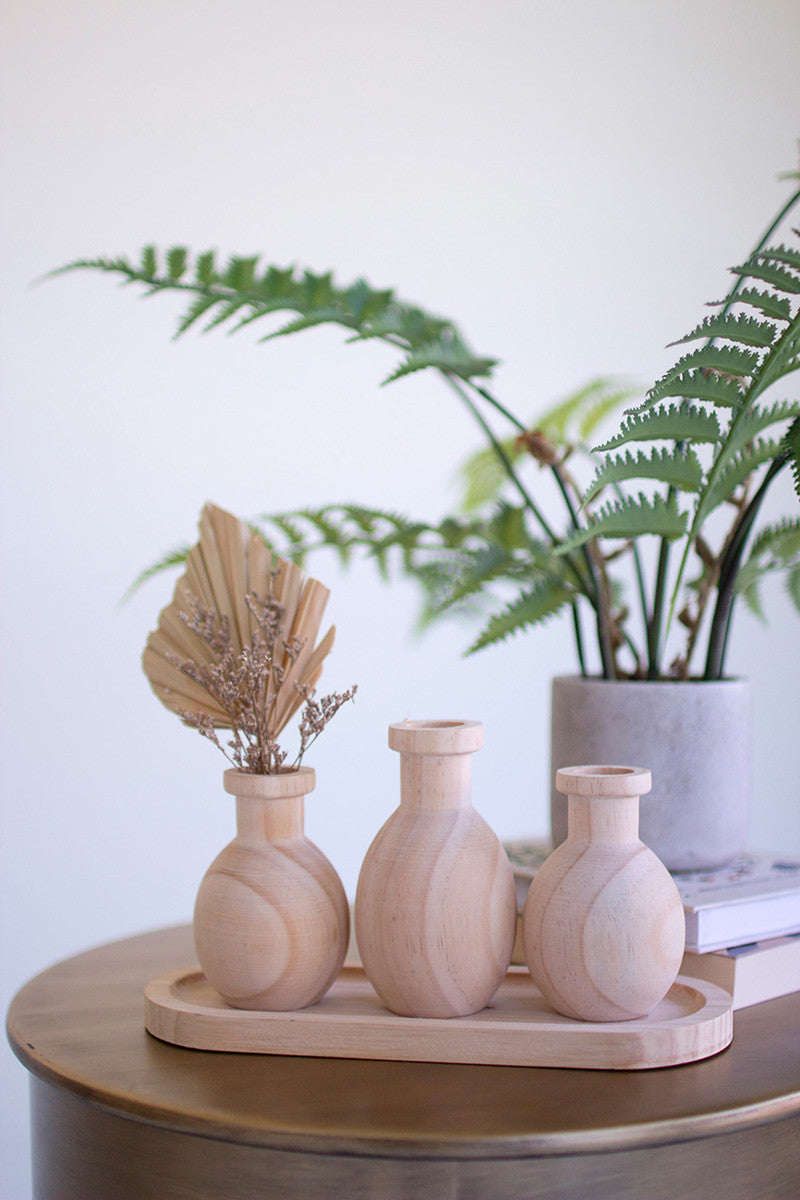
column 246, row 686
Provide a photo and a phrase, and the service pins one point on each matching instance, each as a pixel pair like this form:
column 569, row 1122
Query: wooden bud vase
column 271, row 920
column 435, row 907
column 603, row 925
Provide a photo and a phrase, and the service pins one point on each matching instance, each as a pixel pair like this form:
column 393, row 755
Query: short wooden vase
column 271, row 920
column 435, row 905
column 603, row 925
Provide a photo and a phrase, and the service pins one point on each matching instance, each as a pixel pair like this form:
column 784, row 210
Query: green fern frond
column 792, row 445
column 242, row 292
column 775, row 550
column 677, row 468
column 780, row 541
column 739, row 469
column 482, row 476
column 695, row 385
column 533, row 607
column 755, row 420
column 793, row 587
column 451, row 357
column 778, row 308
column 670, row 422
column 780, row 254
column 631, row 517
column 759, row 267
column 746, row 331
column 728, row 360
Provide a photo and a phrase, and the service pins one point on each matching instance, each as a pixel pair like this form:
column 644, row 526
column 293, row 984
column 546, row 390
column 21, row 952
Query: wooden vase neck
column 270, row 820
column 435, row 782
column 613, row 820
column 270, row 807
column 603, row 801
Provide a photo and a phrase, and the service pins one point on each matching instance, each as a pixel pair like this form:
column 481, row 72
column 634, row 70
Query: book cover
column 750, row 974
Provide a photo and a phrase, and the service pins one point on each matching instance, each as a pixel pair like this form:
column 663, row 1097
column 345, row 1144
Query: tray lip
column 714, row 1015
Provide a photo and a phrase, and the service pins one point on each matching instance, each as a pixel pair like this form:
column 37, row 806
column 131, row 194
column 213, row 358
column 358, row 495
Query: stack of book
column 742, row 921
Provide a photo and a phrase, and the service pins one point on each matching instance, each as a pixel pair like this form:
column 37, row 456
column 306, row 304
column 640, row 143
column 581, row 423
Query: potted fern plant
column 656, row 543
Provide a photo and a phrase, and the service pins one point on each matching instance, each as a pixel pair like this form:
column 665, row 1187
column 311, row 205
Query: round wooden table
column 118, row 1114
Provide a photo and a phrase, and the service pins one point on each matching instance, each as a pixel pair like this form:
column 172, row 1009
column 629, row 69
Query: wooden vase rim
column 436, row 737
column 603, row 782
column 279, row 786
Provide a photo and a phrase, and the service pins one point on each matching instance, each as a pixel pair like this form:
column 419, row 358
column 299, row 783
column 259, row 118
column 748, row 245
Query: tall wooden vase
column 435, row 905
column 271, row 920
column 603, row 925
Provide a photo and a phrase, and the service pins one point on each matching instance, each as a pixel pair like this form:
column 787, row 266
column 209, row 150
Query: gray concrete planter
column 695, row 739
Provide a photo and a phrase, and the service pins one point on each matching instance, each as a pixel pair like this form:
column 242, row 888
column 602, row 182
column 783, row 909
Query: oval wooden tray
column 518, row 1028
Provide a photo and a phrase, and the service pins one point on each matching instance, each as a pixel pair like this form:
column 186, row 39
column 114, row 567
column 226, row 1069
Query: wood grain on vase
column 435, row 907
column 603, row 925
column 271, row 920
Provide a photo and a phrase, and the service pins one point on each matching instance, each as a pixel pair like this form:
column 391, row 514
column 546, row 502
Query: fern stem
column 729, row 570
column 490, row 399
column 576, row 627
column 599, row 584
column 508, row 466
column 598, row 598
column 656, row 616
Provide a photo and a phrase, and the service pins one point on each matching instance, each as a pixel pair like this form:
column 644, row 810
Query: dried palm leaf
column 231, row 575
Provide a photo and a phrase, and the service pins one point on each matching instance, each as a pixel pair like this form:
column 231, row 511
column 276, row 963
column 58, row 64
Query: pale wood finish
column 517, row 1029
column 603, row 926
column 228, row 562
column 271, row 920
column 435, row 909
column 118, row 1115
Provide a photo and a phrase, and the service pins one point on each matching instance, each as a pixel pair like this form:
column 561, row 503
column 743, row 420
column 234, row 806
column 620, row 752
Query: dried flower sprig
column 236, row 649
column 246, row 686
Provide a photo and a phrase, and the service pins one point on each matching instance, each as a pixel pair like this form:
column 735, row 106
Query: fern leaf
column 779, row 541
column 177, row 261
column 793, row 587
column 779, row 277
column 451, row 357
column 696, row 385
column 792, row 445
column 746, row 331
column 631, row 517
column 673, row 422
column 679, row 469
column 149, row 262
column 321, row 316
column 195, row 312
column 730, row 360
column 482, row 476
column 777, row 308
column 241, row 273
column 543, row 600
column 739, row 469
column 756, row 419
column 779, row 254
column 205, row 270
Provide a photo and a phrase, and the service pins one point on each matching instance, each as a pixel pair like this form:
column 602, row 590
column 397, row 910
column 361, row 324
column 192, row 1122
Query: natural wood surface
column 81, row 1025
column 603, row 928
column 232, row 1126
column 518, row 1028
column 435, row 909
column 271, row 919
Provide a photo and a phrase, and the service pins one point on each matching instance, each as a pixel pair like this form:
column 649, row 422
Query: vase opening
column 434, row 724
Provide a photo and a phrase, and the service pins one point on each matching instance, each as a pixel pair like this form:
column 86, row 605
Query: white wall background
column 569, row 180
